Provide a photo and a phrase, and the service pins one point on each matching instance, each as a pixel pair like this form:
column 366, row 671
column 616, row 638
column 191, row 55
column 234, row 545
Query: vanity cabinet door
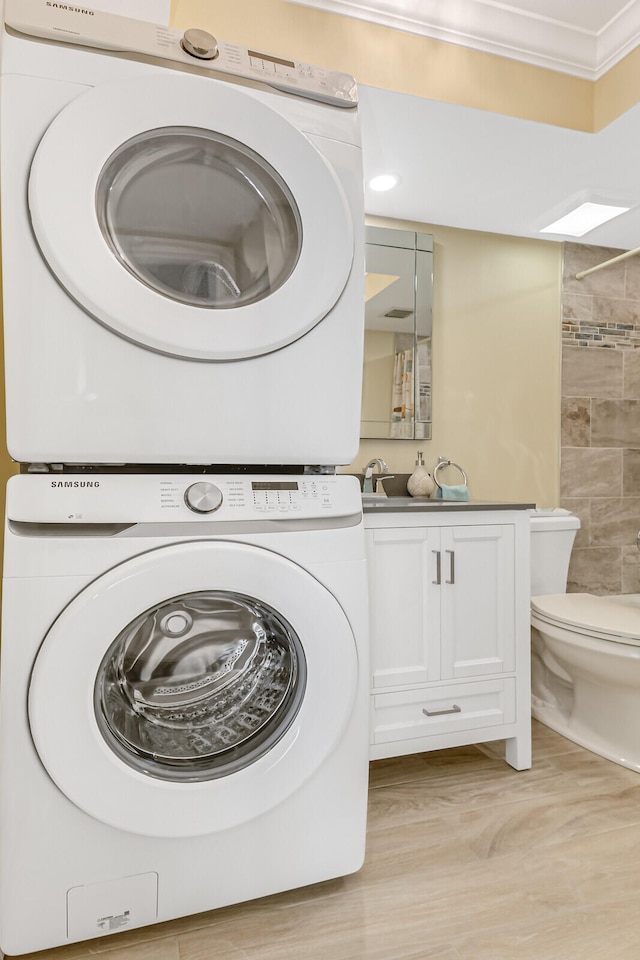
column 404, row 605
column 477, row 601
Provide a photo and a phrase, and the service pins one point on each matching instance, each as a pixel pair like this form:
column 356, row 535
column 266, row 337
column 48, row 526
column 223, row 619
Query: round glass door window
column 199, row 217
column 200, row 686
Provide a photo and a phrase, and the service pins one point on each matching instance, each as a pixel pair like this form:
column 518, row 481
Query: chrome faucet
column 367, row 486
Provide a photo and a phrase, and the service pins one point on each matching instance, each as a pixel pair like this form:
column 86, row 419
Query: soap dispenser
column 420, row 483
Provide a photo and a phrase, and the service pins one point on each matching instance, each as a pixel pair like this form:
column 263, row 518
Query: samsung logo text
column 71, row 9
column 75, row 483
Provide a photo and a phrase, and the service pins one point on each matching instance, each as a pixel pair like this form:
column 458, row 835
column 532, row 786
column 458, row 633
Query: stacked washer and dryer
column 183, row 702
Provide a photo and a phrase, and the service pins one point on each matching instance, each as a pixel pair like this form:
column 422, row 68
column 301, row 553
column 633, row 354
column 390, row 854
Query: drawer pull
column 439, row 713
column 452, row 567
column 438, row 579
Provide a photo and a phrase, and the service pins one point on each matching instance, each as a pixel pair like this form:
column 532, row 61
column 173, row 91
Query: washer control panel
column 183, row 498
column 244, row 497
column 83, row 26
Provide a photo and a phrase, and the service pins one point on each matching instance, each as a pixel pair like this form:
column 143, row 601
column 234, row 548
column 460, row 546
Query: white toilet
column 585, row 650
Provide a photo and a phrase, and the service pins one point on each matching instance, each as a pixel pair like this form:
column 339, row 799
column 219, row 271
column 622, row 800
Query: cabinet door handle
column 452, row 567
column 439, row 713
column 438, row 579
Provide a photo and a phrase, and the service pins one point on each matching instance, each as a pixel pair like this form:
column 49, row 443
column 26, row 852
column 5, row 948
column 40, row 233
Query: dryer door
column 189, row 217
column 191, row 688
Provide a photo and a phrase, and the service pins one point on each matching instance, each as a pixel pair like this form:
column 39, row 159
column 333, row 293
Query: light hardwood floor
column 467, row 860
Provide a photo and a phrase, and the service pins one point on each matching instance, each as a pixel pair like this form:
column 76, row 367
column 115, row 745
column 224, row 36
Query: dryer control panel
column 185, row 498
column 81, row 25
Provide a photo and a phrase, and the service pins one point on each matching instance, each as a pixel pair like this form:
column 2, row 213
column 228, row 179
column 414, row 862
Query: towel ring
column 443, row 462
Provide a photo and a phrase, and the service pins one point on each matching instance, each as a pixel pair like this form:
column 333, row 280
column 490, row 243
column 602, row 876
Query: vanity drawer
column 459, row 706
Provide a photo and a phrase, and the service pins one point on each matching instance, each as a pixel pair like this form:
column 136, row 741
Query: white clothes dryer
column 184, row 718
column 183, row 246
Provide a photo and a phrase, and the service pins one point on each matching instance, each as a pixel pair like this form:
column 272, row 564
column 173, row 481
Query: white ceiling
column 482, row 171
column 582, row 37
column 475, row 170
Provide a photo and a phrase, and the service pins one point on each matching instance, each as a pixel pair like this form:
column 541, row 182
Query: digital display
column 274, row 485
column 270, row 59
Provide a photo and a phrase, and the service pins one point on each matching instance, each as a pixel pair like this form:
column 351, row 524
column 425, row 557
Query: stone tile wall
column 600, row 457
column 602, row 309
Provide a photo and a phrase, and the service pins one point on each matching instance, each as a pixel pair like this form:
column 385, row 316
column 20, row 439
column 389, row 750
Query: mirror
column 396, row 386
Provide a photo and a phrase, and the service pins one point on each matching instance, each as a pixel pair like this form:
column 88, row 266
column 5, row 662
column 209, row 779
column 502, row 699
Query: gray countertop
column 375, row 504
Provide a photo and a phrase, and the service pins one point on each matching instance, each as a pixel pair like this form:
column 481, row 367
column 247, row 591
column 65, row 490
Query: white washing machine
column 184, row 697
column 183, row 246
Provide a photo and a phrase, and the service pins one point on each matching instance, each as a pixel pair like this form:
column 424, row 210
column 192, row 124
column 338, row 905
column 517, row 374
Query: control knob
column 199, row 44
column 203, row 497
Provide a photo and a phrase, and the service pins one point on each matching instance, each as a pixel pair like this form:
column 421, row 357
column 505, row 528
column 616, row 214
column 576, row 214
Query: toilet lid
column 609, row 618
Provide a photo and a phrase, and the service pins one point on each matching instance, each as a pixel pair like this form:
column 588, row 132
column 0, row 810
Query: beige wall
column 496, row 366
column 617, row 91
column 377, row 378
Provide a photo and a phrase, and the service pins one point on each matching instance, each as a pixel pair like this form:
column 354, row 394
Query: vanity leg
column 517, row 752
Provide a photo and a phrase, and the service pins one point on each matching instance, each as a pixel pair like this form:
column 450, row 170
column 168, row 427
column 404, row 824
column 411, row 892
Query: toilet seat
column 616, row 619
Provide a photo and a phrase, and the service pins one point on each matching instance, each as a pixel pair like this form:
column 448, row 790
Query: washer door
column 190, row 218
column 192, row 688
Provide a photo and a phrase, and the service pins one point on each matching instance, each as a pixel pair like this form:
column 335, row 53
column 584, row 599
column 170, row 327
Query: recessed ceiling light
column 385, row 181
column 583, row 219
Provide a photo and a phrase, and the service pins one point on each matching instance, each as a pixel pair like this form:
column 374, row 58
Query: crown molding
column 504, row 31
column 620, row 37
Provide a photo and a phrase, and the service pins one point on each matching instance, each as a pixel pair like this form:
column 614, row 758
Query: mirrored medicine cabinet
column 396, row 388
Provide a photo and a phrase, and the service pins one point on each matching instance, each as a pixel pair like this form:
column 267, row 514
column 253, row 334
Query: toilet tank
column 552, row 534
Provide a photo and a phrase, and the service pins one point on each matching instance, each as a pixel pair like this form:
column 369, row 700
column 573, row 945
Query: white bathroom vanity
column 450, row 626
